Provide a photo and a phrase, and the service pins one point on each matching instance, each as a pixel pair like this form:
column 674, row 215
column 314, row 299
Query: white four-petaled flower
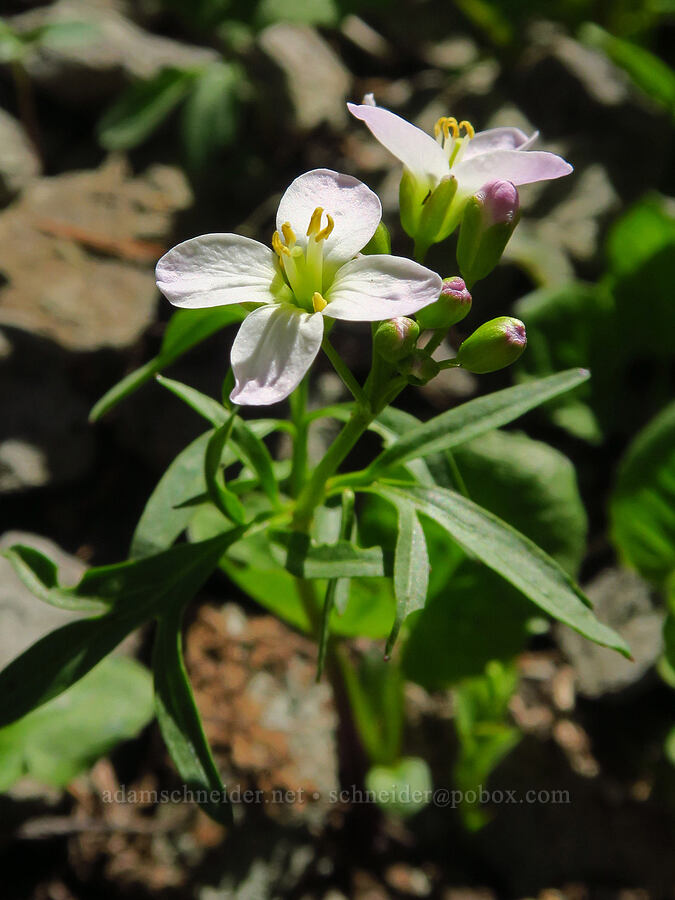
column 473, row 158
column 314, row 271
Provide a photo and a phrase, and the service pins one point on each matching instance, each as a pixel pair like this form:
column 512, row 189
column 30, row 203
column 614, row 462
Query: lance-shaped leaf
column 339, row 560
column 136, row 591
column 40, row 576
column 179, row 719
column 473, row 418
column 186, row 329
column 411, row 568
column 510, row 554
column 216, row 488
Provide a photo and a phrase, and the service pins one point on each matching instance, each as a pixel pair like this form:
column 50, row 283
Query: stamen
column 468, row 127
column 288, row 233
column 446, row 124
column 323, row 234
column 315, row 222
column 318, row 302
column 278, row 246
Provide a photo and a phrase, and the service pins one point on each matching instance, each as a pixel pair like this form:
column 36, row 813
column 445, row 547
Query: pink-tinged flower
column 314, row 271
column 472, row 158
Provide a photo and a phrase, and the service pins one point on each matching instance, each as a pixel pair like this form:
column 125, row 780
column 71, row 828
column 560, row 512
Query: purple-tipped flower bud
column 396, row 338
column 493, row 346
column 451, row 307
column 489, row 219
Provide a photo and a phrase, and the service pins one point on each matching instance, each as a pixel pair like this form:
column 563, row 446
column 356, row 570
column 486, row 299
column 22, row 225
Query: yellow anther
column 279, row 247
column 288, row 233
column 315, row 222
column 323, row 234
column 446, row 124
column 468, row 127
column 318, row 302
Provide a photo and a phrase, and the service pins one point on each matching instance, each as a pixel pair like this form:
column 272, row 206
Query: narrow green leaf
column 509, row 553
column 257, row 457
column 40, row 575
column 473, row 418
column 214, row 479
column 203, row 405
column 338, row 588
column 339, row 560
column 142, row 108
column 186, row 328
column 136, row 590
column 165, row 515
column 179, row 719
column 411, row 568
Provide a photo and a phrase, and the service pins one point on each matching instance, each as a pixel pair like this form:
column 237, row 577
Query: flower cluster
column 315, row 271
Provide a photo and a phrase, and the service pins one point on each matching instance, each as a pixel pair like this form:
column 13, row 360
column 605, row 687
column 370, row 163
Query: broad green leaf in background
column 473, row 418
column 649, row 72
column 210, row 113
column 569, row 325
column 179, row 719
column 642, row 506
column 476, row 618
column 136, row 591
column 66, row 736
column 305, row 12
column 186, row 328
column 510, row 554
column 142, row 108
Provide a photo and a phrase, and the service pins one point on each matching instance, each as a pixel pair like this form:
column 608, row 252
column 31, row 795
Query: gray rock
column 99, row 64
column 316, row 79
column 79, row 251
column 23, row 618
column 622, row 600
column 19, row 163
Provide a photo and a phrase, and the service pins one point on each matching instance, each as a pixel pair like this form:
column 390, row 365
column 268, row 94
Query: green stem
column 338, row 364
column 313, row 492
column 420, row 251
column 298, row 401
column 436, row 341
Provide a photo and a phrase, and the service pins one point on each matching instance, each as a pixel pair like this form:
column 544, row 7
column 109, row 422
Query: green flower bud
column 428, row 214
column 495, row 345
column 419, row 368
column 396, row 338
column 489, row 219
column 411, row 196
column 451, row 307
column 380, row 242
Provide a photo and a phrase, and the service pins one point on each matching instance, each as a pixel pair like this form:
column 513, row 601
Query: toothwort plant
column 329, row 260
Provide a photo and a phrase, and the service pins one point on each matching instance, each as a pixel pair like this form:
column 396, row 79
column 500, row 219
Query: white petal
column 273, row 349
column 509, row 165
column 373, row 288
column 355, row 209
column 215, row 270
column 416, row 149
column 498, row 139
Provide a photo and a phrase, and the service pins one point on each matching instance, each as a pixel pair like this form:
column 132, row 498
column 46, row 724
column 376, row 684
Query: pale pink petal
column 416, row 149
column 273, row 349
column 373, row 288
column 497, row 139
column 355, row 209
column 216, row 270
column 509, row 165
